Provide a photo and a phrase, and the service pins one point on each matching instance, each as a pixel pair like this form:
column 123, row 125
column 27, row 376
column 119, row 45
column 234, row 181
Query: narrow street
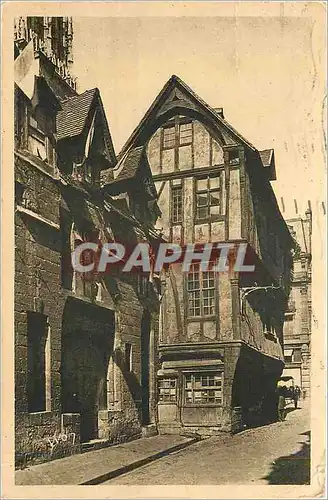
column 275, row 454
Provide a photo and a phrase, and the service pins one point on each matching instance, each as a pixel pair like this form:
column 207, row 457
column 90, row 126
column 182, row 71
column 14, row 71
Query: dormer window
column 234, row 157
column 37, row 141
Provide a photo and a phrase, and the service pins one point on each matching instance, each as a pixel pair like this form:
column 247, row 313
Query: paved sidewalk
column 97, row 466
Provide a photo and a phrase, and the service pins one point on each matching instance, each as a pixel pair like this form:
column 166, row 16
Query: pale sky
column 267, row 74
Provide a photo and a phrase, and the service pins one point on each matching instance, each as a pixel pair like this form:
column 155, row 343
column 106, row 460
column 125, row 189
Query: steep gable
column 83, row 116
column 129, row 164
column 132, row 171
column 177, row 94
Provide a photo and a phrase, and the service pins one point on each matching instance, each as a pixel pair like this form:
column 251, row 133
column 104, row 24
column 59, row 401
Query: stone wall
column 37, row 288
column 55, row 432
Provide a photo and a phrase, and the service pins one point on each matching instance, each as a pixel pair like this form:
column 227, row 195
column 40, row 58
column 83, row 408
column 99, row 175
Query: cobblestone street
column 274, row 454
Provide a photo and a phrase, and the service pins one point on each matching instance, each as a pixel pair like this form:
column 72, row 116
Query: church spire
column 53, row 36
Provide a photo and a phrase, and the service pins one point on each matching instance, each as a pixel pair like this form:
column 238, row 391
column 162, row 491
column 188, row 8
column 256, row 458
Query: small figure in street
column 281, row 392
column 296, row 395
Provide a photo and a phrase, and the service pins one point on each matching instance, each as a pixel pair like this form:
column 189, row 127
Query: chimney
column 219, row 111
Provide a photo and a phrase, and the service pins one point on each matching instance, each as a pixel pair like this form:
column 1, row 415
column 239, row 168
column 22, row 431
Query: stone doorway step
column 94, row 444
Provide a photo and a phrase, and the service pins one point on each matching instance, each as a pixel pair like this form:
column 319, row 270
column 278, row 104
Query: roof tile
column 72, row 117
column 129, row 164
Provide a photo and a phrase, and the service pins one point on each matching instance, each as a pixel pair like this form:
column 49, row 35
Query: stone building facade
column 297, row 326
column 84, row 344
column 104, row 358
column 220, row 333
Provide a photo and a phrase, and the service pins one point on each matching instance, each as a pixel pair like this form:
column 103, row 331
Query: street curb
column 138, row 463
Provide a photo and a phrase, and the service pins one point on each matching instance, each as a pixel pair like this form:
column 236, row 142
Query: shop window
column 207, row 197
column 167, row 390
column 201, row 291
column 203, row 388
column 37, row 361
column 176, row 204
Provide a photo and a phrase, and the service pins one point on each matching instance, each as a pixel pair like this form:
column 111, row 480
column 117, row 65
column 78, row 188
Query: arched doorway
column 84, row 378
column 87, row 345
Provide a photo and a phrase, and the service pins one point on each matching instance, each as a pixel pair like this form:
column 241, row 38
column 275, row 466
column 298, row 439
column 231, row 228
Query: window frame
column 174, row 387
column 174, row 190
column 169, row 126
column 35, row 132
column 175, row 125
column 297, row 353
column 200, row 290
column 182, row 123
column 234, row 158
column 88, row 285
column 289, row 316
column 128, row 356
column 208, row 191
column 203, row 388
column 38, row 351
